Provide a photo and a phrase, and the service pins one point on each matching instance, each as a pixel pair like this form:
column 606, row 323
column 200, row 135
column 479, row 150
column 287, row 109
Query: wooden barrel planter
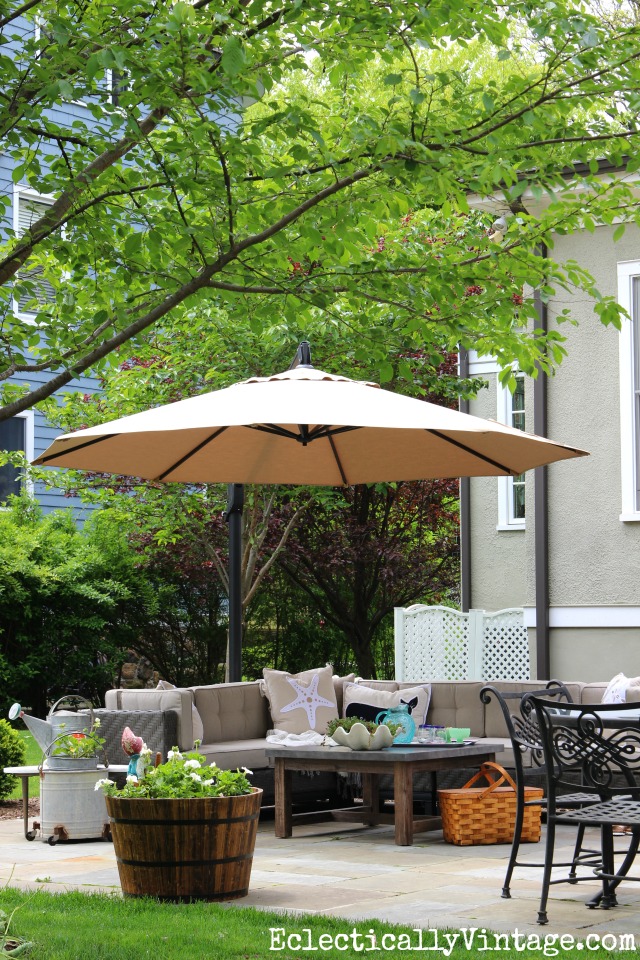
column 187, row 849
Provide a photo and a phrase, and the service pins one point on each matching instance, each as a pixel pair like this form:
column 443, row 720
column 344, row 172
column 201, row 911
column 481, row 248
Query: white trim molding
column 628, row 271
column 599, row 617
column 506, row 519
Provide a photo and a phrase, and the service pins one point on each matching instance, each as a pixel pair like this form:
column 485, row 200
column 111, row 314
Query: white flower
column 195, row 764
column 145, row 753
column 213, row 764
column 246, row 770
column 174, row 754
column 207, row 783
column 131, row 778
column 196, row 777
column 101, row 783
column 96, row 723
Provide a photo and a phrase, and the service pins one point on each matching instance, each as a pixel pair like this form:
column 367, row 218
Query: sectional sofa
column 232, row 721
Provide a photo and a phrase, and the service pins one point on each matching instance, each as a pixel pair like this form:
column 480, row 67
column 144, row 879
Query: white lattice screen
column 443, row 644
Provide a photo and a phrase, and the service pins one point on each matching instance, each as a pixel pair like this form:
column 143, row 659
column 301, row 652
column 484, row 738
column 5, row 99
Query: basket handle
column 486, row 771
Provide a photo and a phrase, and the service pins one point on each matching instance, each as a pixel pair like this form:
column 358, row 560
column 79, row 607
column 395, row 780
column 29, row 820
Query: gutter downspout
column 541, row 507
column 465, row 506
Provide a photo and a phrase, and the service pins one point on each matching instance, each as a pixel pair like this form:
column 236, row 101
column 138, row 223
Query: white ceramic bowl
column 359, row 738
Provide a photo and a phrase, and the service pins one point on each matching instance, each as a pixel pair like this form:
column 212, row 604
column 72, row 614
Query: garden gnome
column 133, row 747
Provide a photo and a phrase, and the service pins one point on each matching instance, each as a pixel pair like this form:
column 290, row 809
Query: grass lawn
column 78, row 926
column 33, row 757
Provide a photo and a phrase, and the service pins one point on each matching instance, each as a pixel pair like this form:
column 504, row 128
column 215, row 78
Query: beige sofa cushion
column 301, row 701
column 231, row 754
column 456, row 703
column 232, row 711
column 178, row 699
column 196, row 720
column 359, row 694
column 338, row 686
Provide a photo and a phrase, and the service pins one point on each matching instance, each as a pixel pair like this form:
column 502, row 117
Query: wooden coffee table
column 402, row 761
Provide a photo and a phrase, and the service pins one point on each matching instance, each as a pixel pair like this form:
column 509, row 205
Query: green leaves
column 197, row 158
column 233, row 59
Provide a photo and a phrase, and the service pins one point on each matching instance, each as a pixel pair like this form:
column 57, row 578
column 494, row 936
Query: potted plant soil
column 183, row 830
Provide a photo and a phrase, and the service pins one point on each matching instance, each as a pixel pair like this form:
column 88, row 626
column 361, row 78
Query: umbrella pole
column 235, row 503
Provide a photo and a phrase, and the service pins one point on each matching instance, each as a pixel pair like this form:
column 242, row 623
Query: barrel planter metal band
column 185, row 849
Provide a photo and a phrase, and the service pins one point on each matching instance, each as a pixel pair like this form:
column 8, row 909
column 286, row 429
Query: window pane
column 12, row 437
column 517, row 405
column 517, row 421
column 36, row 291
column 518, row 497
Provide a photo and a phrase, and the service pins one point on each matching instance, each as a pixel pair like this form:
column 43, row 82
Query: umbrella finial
column 303, row 356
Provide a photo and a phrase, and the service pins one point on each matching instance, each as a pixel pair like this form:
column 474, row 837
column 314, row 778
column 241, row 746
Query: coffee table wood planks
column 403, row 762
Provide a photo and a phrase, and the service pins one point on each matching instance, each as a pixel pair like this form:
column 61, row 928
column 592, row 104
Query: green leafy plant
column 182, row 776
column 12, row 754
column 79, row 744
column 348, row 722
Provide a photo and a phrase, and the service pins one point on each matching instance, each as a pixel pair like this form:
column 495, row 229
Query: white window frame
column 506, row 519
column 629, row 429
column 21, row 191
column 29, row 441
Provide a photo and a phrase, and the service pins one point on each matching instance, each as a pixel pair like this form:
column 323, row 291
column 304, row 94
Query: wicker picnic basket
column 478, row 815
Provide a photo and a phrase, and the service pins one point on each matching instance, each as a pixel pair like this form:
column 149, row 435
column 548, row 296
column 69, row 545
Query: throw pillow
column 196, row 719
column 338, row 686
column 301, row 701
column 618, row 689
column 367, row 702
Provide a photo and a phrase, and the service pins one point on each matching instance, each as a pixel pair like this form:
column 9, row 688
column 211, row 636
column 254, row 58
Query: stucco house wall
column 594, row 556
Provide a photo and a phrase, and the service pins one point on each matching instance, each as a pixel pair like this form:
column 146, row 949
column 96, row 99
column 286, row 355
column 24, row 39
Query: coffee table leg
column 282, row 784
column 371, row 797
column 403, row 803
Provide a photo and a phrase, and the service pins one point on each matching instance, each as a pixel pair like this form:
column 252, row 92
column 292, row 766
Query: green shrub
column 12, row 754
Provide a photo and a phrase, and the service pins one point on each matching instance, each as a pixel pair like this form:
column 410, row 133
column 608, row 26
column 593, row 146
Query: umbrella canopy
column 307, row 427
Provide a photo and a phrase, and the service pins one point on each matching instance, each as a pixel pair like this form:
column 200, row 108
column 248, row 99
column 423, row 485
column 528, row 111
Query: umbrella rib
column 191, row 453
column 80, row 446
column 303, row 436
column 338, row 461
column 480, row 456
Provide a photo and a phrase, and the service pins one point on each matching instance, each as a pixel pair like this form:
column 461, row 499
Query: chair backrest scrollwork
column 600, row 742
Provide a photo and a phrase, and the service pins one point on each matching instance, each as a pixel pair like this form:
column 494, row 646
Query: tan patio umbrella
column 302, row 426
column 305, row 427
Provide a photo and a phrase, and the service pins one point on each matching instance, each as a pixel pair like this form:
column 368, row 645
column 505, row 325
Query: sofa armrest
column 178, row 700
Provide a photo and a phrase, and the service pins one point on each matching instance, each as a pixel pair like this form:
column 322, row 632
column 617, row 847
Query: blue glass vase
column 401, row 716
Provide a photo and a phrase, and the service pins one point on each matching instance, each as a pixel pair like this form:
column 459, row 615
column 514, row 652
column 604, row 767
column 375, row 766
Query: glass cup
column 423, row 733
column 439, row 734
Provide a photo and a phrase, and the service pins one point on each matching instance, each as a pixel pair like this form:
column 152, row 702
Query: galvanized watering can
column 58, row 722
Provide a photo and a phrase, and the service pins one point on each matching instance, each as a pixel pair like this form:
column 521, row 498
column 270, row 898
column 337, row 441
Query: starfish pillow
column 301, row 701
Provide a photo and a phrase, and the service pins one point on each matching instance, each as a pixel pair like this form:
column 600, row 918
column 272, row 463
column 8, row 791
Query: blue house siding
column 43, row 431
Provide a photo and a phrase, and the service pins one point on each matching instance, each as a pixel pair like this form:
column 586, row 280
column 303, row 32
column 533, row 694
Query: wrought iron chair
column 601, row 743
column 522, row 726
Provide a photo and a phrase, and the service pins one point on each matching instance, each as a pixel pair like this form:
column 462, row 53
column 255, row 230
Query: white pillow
column 373, row 701
column 196, row 719
column 619, row 687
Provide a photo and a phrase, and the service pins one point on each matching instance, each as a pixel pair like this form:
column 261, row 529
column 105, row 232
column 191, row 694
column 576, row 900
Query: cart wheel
column 30, row 834
column 52, row 841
